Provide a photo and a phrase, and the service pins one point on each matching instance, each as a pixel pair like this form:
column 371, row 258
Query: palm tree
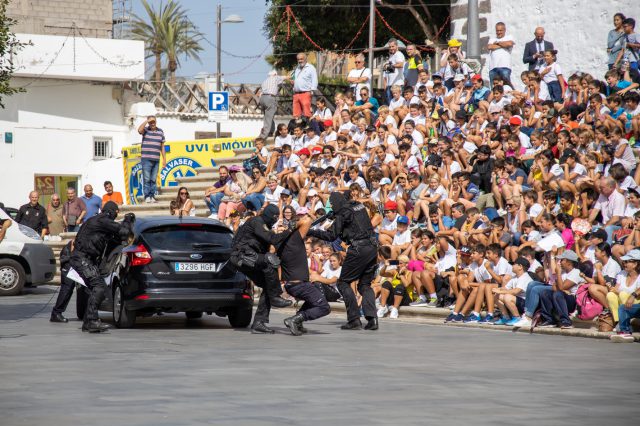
column 168, row 31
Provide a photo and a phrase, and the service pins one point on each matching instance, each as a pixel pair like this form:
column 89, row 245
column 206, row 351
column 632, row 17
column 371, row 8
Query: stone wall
column 578, row 28
column 55, row 17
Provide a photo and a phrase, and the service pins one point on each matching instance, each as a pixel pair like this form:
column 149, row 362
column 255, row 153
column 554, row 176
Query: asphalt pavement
column 170, row 371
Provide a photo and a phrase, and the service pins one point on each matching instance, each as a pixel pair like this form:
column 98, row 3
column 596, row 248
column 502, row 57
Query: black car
column 174, row 265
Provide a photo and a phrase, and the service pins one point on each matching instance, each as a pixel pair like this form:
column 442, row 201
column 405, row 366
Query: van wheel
column 12, row 277
column 123, row 317
column 241, row 317
column 82, row 300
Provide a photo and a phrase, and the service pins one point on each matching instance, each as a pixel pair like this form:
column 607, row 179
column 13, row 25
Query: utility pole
column 473, row 31
column 218, row 55
column 372, row 23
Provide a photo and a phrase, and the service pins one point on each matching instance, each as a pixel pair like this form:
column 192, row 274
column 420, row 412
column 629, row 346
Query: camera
column 388, row 68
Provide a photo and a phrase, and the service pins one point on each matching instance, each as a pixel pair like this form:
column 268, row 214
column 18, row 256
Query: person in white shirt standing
column 392, row 74
column 359, row 77
column 500, row 48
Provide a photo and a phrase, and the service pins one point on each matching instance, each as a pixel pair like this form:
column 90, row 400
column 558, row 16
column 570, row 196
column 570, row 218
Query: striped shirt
column 152, row 141
column 271, row 85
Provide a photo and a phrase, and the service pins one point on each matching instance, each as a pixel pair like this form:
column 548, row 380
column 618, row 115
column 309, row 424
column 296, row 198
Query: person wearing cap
column 313, row 201
column 511, row 297
column 480, row 93
column 286, row 199
column 269, row 101
column 562, row 298
column 611, row 204
column 389, row 224
column 401, row 238
column 88, row 250
column 627, row 284
column 453, row 48
column 453, row 69
column 515, row 124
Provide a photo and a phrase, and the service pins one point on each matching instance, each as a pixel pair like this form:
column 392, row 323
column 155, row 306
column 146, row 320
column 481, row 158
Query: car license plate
column 195, row 267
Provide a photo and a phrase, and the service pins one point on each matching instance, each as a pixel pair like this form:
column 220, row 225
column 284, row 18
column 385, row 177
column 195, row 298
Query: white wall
column 95, row 58
column 578, row 29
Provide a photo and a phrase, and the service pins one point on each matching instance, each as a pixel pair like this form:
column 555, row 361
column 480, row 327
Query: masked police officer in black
column 250, row 254
column 89, row 248
column 352, row 225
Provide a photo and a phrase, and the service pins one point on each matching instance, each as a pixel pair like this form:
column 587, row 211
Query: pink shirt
column 611, row 206
column 567, row 237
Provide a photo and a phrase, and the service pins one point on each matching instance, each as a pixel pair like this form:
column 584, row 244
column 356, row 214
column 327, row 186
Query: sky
column 245, row 39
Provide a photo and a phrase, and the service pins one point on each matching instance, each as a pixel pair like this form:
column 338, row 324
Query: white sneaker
column 153, row 200
column 622, row 338
column 148, row 200
column 383, row 311
column 502, row 212
column 213, row 216
column 394, row 313
column 523, row 323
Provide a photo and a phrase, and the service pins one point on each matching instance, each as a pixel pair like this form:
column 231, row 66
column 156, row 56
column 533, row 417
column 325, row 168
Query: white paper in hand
column 74, row 276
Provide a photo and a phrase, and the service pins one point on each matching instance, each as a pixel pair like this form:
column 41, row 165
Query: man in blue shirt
column 367, row 105
column 92, row 202
column 305, row 82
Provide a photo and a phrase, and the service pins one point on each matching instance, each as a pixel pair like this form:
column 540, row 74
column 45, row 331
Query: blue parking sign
column 218, row 106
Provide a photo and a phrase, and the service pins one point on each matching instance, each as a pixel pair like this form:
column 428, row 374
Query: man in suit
column 534, row 50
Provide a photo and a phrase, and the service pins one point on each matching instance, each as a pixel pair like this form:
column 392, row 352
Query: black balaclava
column 337, row 200
column 270, row 215
column 111, row 209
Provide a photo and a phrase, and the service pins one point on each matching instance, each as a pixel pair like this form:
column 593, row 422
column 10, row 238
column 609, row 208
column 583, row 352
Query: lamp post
column 231, row 19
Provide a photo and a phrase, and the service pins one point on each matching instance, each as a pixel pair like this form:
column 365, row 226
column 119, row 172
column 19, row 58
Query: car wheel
column 241, row 317
column 122, row 317
column 193, row 315
column 82, row 300
column 12, row 277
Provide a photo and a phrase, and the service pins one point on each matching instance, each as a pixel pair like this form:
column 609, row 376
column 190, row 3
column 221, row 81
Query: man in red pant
column 305, row 82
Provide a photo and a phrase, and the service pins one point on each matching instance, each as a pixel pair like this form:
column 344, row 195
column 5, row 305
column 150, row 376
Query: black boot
column 58, row 318
column 259, row 327
column 372, row 324
column 279, row 302
column 294, row 324
column 352, row 325
column 94, row 327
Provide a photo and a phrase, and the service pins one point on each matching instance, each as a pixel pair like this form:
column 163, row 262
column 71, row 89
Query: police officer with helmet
column 352, row 225
column 250, row 255
column 89, row 248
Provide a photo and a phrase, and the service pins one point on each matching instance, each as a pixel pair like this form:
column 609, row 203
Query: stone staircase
column 196, row 185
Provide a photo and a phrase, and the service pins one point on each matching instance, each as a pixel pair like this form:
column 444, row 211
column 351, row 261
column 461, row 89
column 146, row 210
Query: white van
column 24, row 259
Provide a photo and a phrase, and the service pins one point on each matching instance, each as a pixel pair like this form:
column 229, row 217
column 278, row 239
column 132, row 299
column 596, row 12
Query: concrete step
column 210, row 178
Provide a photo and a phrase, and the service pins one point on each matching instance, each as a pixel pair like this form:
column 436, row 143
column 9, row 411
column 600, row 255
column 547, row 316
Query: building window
column 101, row 148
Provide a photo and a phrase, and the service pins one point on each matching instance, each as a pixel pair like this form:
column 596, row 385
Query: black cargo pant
column 264, row 276
column 359, row 265
column 88, row 271
column 315, row 305
column 65, row 293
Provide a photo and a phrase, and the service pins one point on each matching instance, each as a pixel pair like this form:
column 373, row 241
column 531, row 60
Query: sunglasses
column 510, row 205
column 184, row 193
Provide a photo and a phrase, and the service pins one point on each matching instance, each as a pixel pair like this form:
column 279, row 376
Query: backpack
column 252, row 162
column 588, row 308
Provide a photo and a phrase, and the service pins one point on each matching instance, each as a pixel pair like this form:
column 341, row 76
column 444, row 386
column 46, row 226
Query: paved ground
column 169, row 372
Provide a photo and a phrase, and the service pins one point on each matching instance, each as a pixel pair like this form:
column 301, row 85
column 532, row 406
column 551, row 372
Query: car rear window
column 187, row 237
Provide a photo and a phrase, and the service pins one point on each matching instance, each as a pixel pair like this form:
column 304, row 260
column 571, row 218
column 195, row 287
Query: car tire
column 241, row 317
column 193, row 315
column 82, row 300
column 12, row 277
column 122, row 317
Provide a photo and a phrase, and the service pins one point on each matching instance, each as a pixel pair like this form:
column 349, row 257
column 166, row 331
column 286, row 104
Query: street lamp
column 231, row 19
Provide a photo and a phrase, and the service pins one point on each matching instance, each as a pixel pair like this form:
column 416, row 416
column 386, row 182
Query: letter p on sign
column 218, row 106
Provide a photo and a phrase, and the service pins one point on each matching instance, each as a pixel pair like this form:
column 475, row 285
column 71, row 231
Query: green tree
column 333, row 24
column 9, row 48
column 168, row 31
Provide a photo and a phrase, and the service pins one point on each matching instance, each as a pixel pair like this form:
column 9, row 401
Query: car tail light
column 142, row 297
column 140, row 256
column 246, row 296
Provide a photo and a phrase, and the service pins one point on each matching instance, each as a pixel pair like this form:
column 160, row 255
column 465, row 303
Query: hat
column 302, row 211
column 516, row 120
column 304, row 151
column 523, row 262
column 312, row 192
column 494, row 108
column 235, row 169
column 454, row 42
column 436, row 75
column 569, row 255
column 459, row 77
column 468, row 83
column 465, row 250
column 390, row 205
column 632, row 255
column 371, row 128
column 433, row 141
column 442, row 111
column 285, row 192
column 385, row 181
column 551, row 113
column 476, row 77
column 403, row 220
column 316, row 150
column 598, row 233
column 461, row 115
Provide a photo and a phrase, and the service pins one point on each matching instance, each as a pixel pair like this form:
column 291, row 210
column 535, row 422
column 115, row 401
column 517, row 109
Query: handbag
column 605, row 322
column 72, row 220
column 588, row 307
